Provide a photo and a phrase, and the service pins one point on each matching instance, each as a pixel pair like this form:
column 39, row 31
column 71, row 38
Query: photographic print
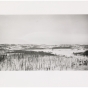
column 43, row 42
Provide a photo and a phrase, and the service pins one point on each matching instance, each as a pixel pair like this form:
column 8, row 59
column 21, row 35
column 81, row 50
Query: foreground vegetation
column 20, row 60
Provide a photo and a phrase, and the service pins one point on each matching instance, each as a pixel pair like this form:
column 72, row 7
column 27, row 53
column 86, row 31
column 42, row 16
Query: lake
column 67, row 52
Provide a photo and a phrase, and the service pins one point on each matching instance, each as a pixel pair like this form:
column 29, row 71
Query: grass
column 32, row 52
column 25, row 60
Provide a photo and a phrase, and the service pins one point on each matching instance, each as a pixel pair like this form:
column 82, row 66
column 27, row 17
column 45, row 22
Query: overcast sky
column 44, row 29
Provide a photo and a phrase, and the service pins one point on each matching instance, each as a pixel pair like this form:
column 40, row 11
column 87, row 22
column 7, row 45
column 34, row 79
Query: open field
column 20, row 60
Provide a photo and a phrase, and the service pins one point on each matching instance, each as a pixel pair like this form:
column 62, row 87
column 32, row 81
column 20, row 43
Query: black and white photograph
column 43, row 42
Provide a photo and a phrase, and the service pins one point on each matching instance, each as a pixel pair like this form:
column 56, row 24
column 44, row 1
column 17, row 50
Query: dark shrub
column 2, row 57
column 82, row 53
column 85, row 53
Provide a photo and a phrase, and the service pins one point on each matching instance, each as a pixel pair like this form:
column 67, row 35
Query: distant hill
column 42, row 46
column 62, row 47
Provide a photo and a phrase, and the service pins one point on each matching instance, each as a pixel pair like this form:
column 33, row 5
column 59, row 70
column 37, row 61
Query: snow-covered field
column 67, row 52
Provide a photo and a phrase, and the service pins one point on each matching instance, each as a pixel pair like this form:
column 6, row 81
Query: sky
column 44, row 29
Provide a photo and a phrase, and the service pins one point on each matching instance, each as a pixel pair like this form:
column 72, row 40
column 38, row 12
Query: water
column 67, row 52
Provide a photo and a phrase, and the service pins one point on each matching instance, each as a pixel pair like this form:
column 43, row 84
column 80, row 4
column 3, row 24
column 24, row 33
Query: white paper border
column 43, row 7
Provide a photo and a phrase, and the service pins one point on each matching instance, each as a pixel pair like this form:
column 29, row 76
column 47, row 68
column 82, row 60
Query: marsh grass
column 42, row 61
